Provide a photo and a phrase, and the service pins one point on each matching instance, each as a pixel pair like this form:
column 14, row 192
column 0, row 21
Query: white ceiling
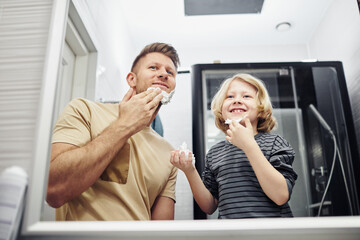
column 164, row 20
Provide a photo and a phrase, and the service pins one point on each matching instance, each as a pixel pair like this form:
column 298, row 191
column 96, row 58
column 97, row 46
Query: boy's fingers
column 172, row 155
column 176, row 157
column 235, row 123
column 182, row 156
column 247, row 123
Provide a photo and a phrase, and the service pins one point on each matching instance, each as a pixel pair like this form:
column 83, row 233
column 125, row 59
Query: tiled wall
column 354, row 90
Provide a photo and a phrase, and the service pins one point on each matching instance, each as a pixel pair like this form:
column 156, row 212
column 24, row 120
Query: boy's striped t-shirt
column 230, row 178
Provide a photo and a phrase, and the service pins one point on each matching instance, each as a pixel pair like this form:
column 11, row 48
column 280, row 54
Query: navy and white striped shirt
column 231, row 180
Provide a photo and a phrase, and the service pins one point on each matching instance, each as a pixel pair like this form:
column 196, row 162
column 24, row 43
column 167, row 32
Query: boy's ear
column 131, row 79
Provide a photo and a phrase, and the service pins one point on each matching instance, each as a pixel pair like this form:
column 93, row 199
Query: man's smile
column 161, row 85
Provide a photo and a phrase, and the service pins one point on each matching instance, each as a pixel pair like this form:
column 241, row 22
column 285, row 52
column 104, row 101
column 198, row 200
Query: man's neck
column 154, row 115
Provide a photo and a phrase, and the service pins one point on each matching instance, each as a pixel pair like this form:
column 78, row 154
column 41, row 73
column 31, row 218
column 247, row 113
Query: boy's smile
column 240, row 101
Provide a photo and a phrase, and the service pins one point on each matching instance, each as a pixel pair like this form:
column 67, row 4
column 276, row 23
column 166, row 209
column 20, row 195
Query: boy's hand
column 179, row 160
column 240, row 135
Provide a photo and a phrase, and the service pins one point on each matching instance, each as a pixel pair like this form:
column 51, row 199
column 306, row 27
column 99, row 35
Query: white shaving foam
column 229, row 121
column 166, row 96
column 183, row 148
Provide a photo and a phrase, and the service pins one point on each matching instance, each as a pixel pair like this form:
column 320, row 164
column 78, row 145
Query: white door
column 64, row 92
column 64, row 89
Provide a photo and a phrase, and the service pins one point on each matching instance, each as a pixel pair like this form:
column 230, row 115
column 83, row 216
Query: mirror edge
column 36, row 184
column 331, row 228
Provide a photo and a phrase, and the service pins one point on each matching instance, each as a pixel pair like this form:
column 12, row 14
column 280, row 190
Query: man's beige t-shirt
column 139, row 173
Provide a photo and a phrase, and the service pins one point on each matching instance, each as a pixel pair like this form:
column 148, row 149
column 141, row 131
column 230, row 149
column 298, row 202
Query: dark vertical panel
column 198, row 128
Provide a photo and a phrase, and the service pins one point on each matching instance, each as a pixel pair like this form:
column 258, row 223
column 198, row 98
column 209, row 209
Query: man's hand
column 137, row 110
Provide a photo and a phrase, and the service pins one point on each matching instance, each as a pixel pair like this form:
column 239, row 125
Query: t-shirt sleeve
column 169, row 189
column 281, row 158
column 73, row 125
column 209, row 178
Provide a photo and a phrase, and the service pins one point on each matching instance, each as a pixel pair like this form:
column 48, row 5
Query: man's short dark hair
column 163, row 48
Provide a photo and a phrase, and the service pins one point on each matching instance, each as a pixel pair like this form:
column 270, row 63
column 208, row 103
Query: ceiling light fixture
column 216, row 7
column 283, row 26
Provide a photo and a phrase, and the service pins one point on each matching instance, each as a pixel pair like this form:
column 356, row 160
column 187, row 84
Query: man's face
column 155, row 70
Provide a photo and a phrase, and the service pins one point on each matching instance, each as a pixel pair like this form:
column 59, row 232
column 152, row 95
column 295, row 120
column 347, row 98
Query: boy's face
column 240, row 101
column 154, row 70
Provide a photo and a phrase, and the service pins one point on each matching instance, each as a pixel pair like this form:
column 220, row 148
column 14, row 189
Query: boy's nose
column 237, row 101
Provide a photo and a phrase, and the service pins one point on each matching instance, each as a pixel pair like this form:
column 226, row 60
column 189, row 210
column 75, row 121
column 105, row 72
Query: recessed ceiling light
column 283, row 26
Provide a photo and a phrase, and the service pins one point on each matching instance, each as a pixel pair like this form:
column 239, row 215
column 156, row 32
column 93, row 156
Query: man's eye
column 152, row 67
column 170, row 73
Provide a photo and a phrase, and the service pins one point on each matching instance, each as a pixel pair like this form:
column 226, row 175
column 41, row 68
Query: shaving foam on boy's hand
column 183, row 148
column 166, row 96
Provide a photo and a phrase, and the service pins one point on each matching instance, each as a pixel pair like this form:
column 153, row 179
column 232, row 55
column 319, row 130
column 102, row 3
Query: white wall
column 101, row 20
column 337, row 37
column 177, row 122
column 250, row 53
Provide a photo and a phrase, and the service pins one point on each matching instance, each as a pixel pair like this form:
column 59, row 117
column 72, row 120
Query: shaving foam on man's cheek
column 166, row 96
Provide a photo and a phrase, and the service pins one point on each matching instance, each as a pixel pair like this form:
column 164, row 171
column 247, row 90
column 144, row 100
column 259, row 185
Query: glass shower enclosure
column 312, row 109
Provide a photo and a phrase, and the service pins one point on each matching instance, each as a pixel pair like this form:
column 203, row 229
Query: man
column 106, row 162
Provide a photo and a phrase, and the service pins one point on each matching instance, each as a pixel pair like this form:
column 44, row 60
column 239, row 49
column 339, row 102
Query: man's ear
column 131, row 79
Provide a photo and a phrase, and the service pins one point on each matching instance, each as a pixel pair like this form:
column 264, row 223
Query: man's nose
column 162, row 73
